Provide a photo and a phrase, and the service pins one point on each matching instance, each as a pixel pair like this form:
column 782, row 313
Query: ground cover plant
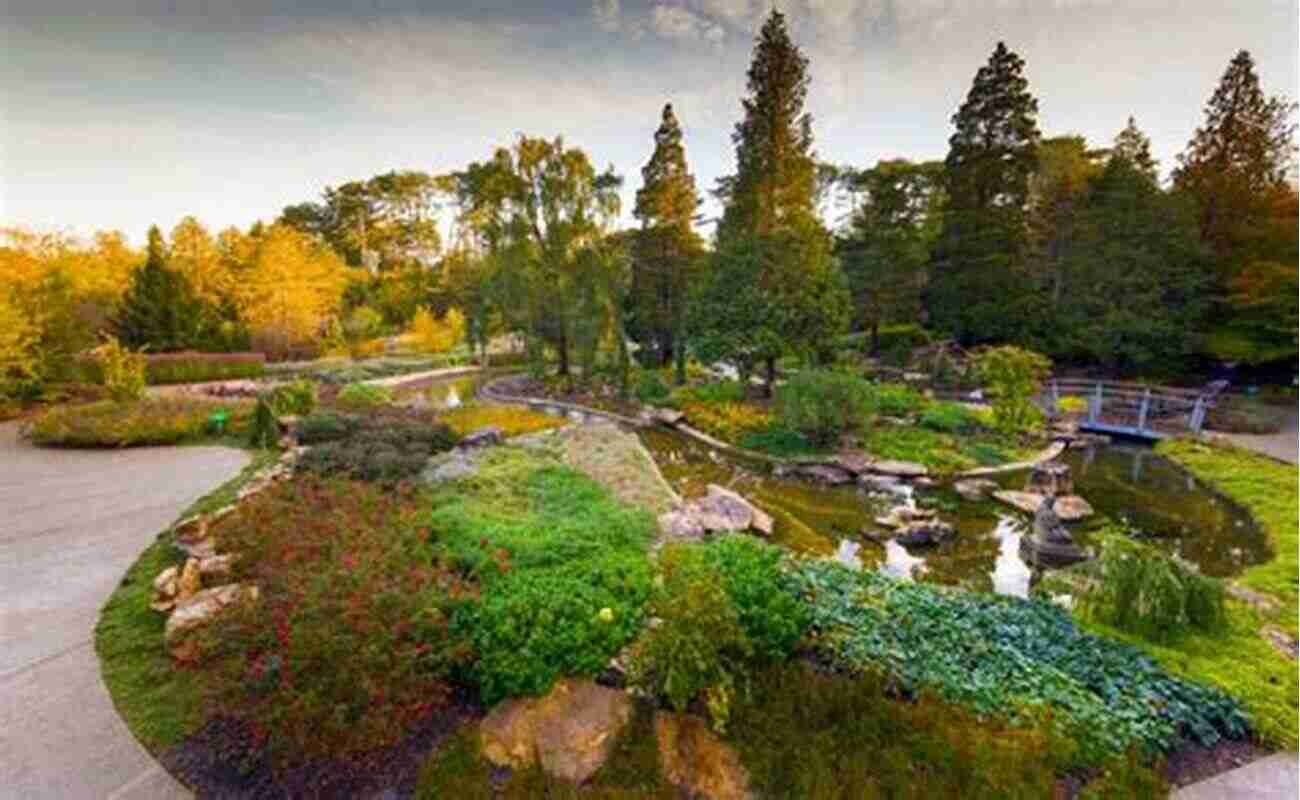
column 360, row 396
column 383, row 447
column 346, row 646
column 562, row 569
column 802, row 732
column 151, row 421
column 999, row 655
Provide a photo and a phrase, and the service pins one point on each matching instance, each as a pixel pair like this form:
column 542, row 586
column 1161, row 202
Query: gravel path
column 71, row 522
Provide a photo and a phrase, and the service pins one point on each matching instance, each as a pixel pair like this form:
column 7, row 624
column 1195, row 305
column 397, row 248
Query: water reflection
column 901, row 564
column 1010, row 572
column 847, row 554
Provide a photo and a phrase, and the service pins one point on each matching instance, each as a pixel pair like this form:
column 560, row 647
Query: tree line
column 1051, row 242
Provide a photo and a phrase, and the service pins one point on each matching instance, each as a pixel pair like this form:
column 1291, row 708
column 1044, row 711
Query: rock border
column 491, row 392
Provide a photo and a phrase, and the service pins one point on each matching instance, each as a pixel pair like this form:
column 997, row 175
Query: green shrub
column 190, row 367
column 770, row 611
column 949, row 418
column 296, row 398
column 1013, row 376
column 651, row 389
column 160, row 421
column 375, row 449
column 893, row 399
column 822, row 405
column 778, row 441
column 347, row 645
column 1145, row 592
column 716, row 392
column 121, row 371
column 325, row 426
column 699, row 647
column 1005, row 656
column 363, row 396
column 264, row 431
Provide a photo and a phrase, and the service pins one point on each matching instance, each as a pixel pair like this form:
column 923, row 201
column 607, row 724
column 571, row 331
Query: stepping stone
column 1070, row 508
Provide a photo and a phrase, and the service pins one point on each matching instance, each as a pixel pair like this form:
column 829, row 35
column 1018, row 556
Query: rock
column 762, row 521
column 680, row 524
column 905, row 515
column 924, row 483
column 899, row 469
column 925, row 533
column 165, row 588
column 450, row 466
column 190, row 581
column 729, row 506
column 825, row 473
column 201, row 608
column 216, row 566
column 483, row 437
column 570, row 731
column 668, row 416
column 1070, row 509
column 854, row 461
column 975, row 489
column 882, row 483
column 1052, row 477
column 694, row 759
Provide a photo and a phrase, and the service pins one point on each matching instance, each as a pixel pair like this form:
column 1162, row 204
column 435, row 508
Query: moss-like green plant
column 1143, row 591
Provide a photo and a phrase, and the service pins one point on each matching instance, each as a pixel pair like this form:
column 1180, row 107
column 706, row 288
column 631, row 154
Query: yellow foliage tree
column 18, row 341
column 196, row 256
column 290, row 288
column 434, row 335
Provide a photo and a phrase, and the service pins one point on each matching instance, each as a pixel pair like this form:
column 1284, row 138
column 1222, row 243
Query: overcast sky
column 123, row 113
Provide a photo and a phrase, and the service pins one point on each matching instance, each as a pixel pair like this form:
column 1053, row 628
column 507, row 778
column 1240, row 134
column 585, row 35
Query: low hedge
column 190, row 367
column 159, row 421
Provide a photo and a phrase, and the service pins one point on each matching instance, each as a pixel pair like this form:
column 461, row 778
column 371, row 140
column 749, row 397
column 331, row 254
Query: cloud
column 678, row 22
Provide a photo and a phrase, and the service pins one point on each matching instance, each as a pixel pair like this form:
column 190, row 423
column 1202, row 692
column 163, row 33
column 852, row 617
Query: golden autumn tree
column 195, row 255
column 289, row 288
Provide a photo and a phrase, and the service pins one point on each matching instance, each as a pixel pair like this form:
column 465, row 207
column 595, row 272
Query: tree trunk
column 769, row 386
column 562, row 344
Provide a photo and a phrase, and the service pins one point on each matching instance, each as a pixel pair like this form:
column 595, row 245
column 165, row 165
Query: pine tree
column 1134, row 146
column 769, row 225
column 666, row 251
column 160, row 310
column 1238, row 159
column 978, row 288
column 776, row 170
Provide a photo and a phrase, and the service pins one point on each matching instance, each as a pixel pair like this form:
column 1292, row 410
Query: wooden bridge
column 1130, row 409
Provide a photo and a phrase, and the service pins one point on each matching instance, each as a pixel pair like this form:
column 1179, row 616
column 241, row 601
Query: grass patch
column 940, row 451
column 512, row 420
column 159, row 703
column 802, row 733
column 151, row 421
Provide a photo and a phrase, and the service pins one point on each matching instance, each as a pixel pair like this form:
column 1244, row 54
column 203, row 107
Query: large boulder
column 719, row 511
column 680, row 524
column 1071, row 508
column 570, row 731
column 694, row 759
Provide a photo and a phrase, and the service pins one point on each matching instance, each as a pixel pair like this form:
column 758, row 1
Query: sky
column 119, row 114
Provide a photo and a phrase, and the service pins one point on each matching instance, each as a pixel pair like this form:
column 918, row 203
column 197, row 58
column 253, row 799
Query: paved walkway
column 1281, row 445
column 1274, row 778
column 71, row 522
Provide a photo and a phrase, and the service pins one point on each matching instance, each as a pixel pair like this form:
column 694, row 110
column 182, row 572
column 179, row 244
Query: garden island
column 948, row 495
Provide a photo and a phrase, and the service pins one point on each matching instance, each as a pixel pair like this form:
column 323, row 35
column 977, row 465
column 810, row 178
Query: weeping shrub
column 1155, row 596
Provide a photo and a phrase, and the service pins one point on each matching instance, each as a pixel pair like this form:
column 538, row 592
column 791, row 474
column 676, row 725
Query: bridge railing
column 1135, row 409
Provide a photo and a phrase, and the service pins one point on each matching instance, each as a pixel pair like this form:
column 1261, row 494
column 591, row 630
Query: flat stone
column 855, row 461
column 883, row 483
column 190, row 581
column 680, row 524
column 570, row 731
column 1071, row 508
column 668, row 416
column 975, row 489
column 202, row 608
column 726, row 503
column 216, row 566
column 899, row 469
column 697, row 761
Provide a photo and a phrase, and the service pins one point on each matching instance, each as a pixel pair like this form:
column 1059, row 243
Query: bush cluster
column 1146, row 592
column 358, row 396
column 391, row 448
column 949, row 418
column 296, row 398
column 822, row 404
column 726, row 420
column 160, row 421
column 651, row 389
column 1001, row 655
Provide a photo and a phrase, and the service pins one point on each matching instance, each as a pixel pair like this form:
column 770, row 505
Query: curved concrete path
column 71, row 522
column 1282, row 445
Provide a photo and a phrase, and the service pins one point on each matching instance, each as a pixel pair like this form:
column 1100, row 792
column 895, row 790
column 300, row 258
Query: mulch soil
column 224, row 759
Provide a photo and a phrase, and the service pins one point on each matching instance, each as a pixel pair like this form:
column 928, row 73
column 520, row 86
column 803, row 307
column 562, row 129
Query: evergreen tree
column 1134, row 146
column 1236, row 169
column 978, row 287
column 1238, row 158
column 160, row 310
column 666, row 251
column 776, row 170
column 885, row 250
column 770, row 225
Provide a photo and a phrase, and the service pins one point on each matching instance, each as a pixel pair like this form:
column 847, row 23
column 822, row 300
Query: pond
column 1128, row 485
column 444, row 394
